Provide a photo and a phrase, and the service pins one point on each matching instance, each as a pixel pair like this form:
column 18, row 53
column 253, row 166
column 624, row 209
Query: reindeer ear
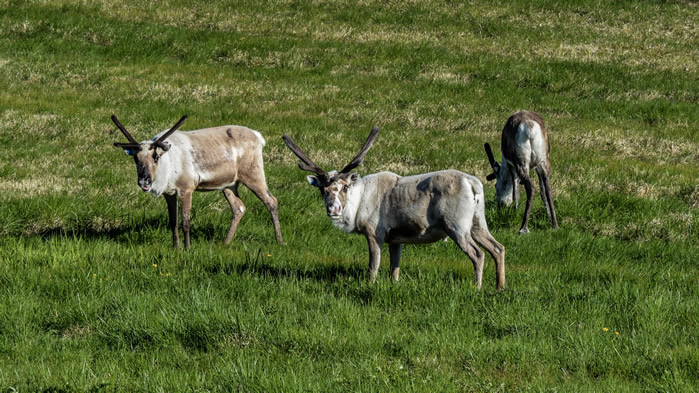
column 354, row 177
column 312, row 180
column 164, row 146
column 160, row 147
column 130, row 150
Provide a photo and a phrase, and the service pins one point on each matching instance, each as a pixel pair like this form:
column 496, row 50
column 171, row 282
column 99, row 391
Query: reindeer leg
column 474, row 253
column 496, row 250
column 546, row 196
column 374, row 256
column 273, row 207
column 172, row 214
column 259, row 188
column 515, row 189
column 186, row 198
column 542, row 188
column 526, row 181
column 238, row 209
column 483, row 237
column 478, row 258
column 460, row 233
column 395, row 249
column 549, row 197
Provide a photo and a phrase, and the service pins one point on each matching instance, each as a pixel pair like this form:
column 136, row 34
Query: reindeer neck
column 348, row 221
column 162, row 185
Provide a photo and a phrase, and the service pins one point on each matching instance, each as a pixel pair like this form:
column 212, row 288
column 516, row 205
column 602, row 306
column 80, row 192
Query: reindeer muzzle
column 334, row 212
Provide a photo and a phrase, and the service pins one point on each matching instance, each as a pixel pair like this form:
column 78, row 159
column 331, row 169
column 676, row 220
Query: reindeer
column 176, row 163
column 387, row 208
column 524, row 146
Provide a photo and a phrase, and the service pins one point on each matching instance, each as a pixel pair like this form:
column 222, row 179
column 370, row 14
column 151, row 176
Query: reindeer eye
column 346, row 188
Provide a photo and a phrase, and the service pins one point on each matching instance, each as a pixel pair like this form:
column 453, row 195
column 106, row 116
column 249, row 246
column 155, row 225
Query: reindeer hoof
column 524, row 230
column 372, row 277
column 395, row 274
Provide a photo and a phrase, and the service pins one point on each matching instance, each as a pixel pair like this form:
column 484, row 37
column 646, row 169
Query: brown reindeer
column 525, row 146
column 175, row 164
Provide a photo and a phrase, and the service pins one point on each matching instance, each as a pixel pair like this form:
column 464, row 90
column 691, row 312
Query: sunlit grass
column 94, row 298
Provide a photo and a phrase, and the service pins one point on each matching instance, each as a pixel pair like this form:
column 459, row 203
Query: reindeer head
column 334, row 186
column 504, row 181
column 147, row 153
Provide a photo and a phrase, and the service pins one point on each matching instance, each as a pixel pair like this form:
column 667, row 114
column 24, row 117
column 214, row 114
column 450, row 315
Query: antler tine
column 123, row 131
column 162, row 138
column 493, row 164
column 128, row 145
column 357, row 160
column 307, row 164
column 491, row 159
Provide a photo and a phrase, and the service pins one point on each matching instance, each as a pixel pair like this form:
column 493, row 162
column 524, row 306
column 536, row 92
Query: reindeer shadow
column 89, row 232
column 340, row 279
column 136, row 229
column 258, row 266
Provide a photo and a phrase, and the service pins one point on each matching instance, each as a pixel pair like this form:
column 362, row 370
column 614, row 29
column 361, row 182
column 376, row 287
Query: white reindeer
column 387, row 208
column 218, row 158
column 524, row 146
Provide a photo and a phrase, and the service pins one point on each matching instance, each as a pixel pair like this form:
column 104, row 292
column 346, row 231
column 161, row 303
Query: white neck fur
column 347, row 222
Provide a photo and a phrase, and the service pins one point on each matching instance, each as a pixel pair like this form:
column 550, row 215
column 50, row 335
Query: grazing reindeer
column 387, row 208
column 524, row 146
column 178, row 163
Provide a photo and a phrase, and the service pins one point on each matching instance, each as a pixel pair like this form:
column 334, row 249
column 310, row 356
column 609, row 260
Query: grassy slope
column 93, row 297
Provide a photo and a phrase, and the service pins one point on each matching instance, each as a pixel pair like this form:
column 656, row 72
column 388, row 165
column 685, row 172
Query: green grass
column 93, row 298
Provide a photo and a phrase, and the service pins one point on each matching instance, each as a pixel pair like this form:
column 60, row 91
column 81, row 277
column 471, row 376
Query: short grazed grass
column 93, row 297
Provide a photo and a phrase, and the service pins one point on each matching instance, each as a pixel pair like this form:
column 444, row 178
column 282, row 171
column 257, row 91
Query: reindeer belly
column 216, row 180
column 414, row 234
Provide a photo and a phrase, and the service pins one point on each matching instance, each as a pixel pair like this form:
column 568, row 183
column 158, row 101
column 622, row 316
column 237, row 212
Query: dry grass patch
column 44, row 225
column 76, row 331
column 19, row 123
column 627, row 181
column 279, row 155
column 196, row 93
column 237, row 340
column 445, row 74
column 40, row 184
column 658, row 57
column 631, row 143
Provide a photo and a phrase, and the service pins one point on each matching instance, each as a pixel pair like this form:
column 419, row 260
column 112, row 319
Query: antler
column 357, row 160
column 307, row 164
column 132, row 141
column 159, row 143
column 494, row 164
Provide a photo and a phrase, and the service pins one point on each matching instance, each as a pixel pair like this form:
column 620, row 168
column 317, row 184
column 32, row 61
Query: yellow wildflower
column 605, row 329
column 155, row 265
column 617, row 333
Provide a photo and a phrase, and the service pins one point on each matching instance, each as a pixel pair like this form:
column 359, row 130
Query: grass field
column 94, row 298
